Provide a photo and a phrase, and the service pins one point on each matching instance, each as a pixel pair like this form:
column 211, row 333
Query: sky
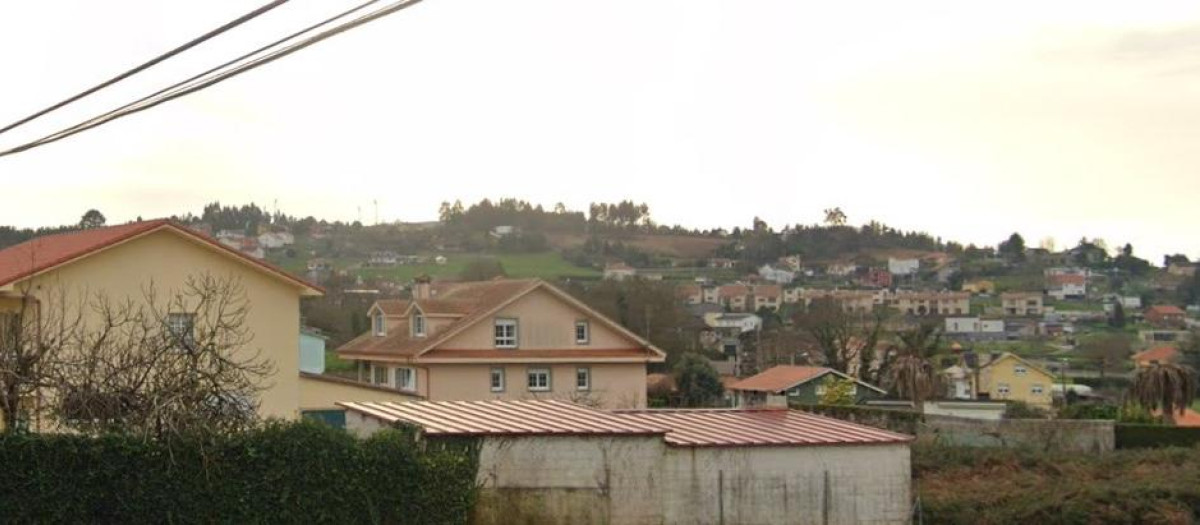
column 1057, row 120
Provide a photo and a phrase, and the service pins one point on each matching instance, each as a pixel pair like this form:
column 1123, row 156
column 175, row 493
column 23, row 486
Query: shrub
column 1155, row 436
column 1023, row 410
column 1089, row 411
column 283, row 472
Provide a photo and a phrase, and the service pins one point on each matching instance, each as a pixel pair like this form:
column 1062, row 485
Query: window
column 497, row 379
column 182, row 328
column 1036, row 390
column 506, row 333
column 1020, row 370
column 377, row 324
column 539, row 379
column 583, row 378
column 582, row 332
column 380, row 373
column 406, row 379
column 418, row 325
column 1002, row 389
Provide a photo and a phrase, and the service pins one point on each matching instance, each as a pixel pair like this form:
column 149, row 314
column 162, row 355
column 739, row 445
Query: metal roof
column 683, row 428
column 525, row 417
column 759, row 427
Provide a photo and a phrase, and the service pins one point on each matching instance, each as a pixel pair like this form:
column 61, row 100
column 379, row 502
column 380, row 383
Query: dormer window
column 418, row 325
column 377, row 324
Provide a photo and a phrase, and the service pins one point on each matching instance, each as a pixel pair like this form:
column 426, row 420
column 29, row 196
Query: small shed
column 550, row 461
column 803, row 384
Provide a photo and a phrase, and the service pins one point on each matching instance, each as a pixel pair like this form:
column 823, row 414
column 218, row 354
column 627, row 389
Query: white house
column 776, row 275
column 743, row 322
column 903, row 266
column 974, row 328
column 275, row 240
column 619, row 271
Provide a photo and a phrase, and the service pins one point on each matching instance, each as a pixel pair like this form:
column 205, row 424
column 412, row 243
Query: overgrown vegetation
column 302, row 472
column 1000, row 486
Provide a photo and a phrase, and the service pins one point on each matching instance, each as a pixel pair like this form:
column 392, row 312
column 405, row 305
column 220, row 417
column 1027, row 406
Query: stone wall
column 1072, row 435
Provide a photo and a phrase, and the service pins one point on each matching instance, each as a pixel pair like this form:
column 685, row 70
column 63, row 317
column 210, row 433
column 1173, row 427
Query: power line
column 152, row 62
column 198, row 82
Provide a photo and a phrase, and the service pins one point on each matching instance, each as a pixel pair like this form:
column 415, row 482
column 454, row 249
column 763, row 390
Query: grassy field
column 548, row 265
column 995, row 486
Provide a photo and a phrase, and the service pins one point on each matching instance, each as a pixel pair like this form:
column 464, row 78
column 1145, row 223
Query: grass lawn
column 547, row 265
column 333, row 363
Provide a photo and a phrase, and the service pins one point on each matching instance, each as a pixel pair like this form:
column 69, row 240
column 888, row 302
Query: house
column 957, row 380
column 383, row 258
column 737, row 322
column 850, row 301
column 1163, row 336
column 584, row 465
column 801, row 384
column 841, row 269
column 619, row 271
column 501, row 339
column 721, row 262
column 979, row 286
column 903, row 267
column 690, row 293
column 1127, row 302
column 776, row 275
column 1181, row 270
column 312, row 350
column 791, row 295
column 767, row 296
column 276, row 240
column 1156, row 355
column 734, row 296
column 502, row 231
column 791, row 262
column 120, row 263
column 974, row 328
column 931, row 303
column 1166, row 316
column 876, row 278
column 1009, row 377
column 1023, row 304
column 1066, row 286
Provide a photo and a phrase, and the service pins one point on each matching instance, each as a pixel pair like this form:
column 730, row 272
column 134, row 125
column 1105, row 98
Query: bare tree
column 847, row 341
column 157, row 365
column 32, row 337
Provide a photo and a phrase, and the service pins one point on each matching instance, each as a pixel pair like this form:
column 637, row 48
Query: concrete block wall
column 1070, row 435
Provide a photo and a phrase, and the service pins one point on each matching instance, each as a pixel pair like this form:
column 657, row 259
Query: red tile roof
column 1161, row 354
column 574, row 354
column 47, row 252
column 758, row 427
column 779, row 378
column 681, row 428
column 1189, row 418
column 393, row 306
column 1066, row 278
column 1165, row 309
column 484, row 418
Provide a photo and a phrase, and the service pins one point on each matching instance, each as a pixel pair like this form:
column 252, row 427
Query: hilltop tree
column 1117, row 319
column 1013, row 248
column 1109, row 352
column 92, row 219
column 482, row 270
column 835, row 217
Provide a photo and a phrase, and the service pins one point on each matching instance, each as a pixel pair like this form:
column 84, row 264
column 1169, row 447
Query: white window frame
column 1020, row 370
column 584, row 373
column 530, row 374
column 587, row 332
column 400, row 372
column 379, row 374
column 1037, row 389
column 497, row 372
column 1003, row 389
column 378, row 324
column 506, row 341
column 418, row 324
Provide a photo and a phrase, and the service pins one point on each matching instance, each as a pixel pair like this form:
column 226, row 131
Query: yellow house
column 122, row 262
column 1010, row 377
column 501, row 339
column 979, row 286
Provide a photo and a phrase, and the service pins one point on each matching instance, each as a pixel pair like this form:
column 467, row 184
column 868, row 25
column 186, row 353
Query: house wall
column 321, row 393
column 614, row 385
column 807, row 392
column 166, row 259
column 545, row 322
column 1072, row 435
column 1020, row 386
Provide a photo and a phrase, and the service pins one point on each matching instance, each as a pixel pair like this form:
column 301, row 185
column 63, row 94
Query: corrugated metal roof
column 525, row 417
column 761, row 427
column 779, row 378
column 683, row 428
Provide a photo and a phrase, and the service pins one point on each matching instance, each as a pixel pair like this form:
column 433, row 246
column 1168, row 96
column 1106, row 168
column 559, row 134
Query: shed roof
column 783, row 377
column 683, row 428
column 1161, row 354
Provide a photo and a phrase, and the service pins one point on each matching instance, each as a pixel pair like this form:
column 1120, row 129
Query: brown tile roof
column 1161, row 354
column 733, row 290
column 768, row 290
column 779, row 378
column 392, row 307
column 47, row 252
column 572, row 354
column 1069, row 278
column 470, row 302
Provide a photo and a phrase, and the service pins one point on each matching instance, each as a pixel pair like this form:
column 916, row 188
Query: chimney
column 420, row 288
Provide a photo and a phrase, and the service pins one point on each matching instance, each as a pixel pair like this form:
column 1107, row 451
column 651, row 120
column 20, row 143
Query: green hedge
column 285, row 472
column 1153, row 436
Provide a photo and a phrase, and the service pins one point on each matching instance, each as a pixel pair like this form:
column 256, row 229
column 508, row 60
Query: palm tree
column 912, row 373
column 1165, row 386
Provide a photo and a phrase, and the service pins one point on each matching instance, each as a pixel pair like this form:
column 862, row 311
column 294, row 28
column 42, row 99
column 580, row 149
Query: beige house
column 502, row 339
column 1023, row 303
column 934, row 303
column 120, row 263
column 735, row 296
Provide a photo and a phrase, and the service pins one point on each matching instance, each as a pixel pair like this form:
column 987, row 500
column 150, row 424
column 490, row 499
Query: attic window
column 377, row 324
column 506, row 333
column 418, row 327
column 582, row 332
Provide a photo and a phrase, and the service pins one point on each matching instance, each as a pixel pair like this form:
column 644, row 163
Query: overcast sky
column 970, row 121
